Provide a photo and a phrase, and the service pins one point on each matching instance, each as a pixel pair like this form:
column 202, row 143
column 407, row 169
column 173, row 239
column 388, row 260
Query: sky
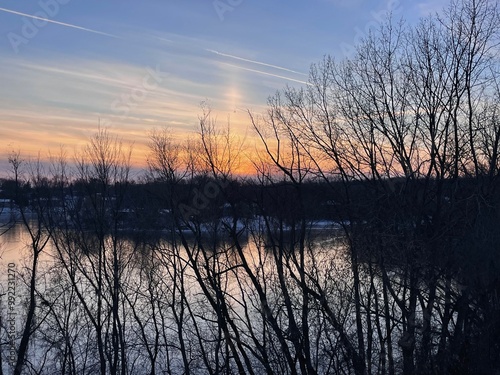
column 67, row 66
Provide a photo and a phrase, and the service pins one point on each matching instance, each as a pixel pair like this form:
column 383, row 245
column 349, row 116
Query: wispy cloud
column 255, row 62
column 58, row 23
column 426, row 8
column 53, row 102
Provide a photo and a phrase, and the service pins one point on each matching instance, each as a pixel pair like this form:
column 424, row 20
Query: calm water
column 14, row 243
column 327, row 261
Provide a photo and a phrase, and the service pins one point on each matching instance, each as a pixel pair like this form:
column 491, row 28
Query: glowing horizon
column 68, row 67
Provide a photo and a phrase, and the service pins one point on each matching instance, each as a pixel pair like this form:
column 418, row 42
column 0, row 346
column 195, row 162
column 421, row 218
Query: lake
column 202, row 303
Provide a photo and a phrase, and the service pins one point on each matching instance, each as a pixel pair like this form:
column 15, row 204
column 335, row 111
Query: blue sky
column 135, row 65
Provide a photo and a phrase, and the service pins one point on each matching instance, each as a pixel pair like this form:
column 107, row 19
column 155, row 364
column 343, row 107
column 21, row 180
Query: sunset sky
column 134, row 66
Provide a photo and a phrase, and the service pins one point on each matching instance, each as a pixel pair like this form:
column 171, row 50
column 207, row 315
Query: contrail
column 255, row 62
column 58, row 23
column 267, row 74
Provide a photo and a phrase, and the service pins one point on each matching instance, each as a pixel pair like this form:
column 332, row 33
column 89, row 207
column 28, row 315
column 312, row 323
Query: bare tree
column 34, row 218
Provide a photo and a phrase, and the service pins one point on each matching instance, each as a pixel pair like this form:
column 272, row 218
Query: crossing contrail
column 58, row 23
column 267, row 74
column 255, row 62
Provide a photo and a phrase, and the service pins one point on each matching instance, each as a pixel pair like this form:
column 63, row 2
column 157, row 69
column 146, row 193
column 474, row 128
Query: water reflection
column 196, row 292
column 13, row 242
